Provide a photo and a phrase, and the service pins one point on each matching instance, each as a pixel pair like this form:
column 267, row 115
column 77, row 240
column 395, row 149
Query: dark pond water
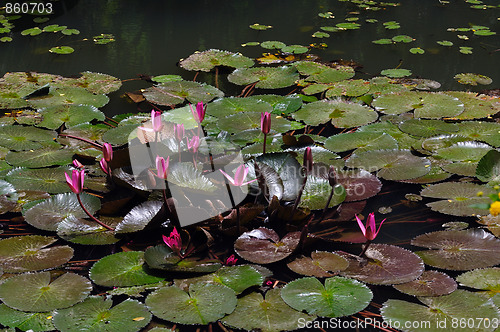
column 151, row 36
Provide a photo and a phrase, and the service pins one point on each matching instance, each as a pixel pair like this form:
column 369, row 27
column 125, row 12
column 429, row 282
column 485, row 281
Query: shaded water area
column 152, row 36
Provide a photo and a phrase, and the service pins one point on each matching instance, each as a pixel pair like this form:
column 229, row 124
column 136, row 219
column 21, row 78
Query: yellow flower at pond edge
column 495, row 208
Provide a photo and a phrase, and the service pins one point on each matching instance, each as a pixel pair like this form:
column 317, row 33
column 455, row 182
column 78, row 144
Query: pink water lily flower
column 75, row 182
column 199, row 113
column 231, row 260
column 308, row 159
column 104, row 166
column 77, row 164
column 265, row 122
column 155, row 122
column 107, row 152
column 239, row 176
column 194, row 144
column 173, row 241
column 369, row 230
column 179, row 131
column 162, row 167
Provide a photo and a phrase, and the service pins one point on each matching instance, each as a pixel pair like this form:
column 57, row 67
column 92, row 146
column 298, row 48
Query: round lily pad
column 486, row 279
column 97, row 314
column 281, row 104
column 86, row 231
column 321, row 264
column 359, row 184
column 384, row 85
column 427, row 128
column 338, row 297
column 458, row 198
column 263, row 245
column 47, row 214
column 361, row 141
column 203, row 304
column 34, row 321
column 68, row 96
column 24, row 138
column 251, row 120
column 464, row 151
column 472, row 79
column 122, row 269
column 488, row 168
column 294, row 49
column 29, row 253
column 317, row 191
column 62, row 50
column 207, row 60
column 384, row 265
column 476, row 106
column 50, row 180
column 393, row 73
column 332, row 75
column 139, row 217
column 176, row 92
column 481, row 131
column 37, row 292
column 442, row 141
column 161, row 257
column 71, row 115
column 348, row 88
column 390, row 164
column 44, row 157
column 232, row 105
column 430, row 283
column 269, row 314
column 459, row 250
column 342, row 114
column 265, row 77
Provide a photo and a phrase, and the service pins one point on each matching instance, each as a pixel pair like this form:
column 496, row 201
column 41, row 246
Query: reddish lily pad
column 430, row 283
column 321, row 264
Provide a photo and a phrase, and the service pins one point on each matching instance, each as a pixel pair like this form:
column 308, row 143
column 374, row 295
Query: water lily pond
column 317, row 166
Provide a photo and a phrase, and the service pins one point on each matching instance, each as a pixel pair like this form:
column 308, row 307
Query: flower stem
column 91, row 216
column 97, row 145
column 365, row 248
column 264, row 147
column 297, row 200
column 170, row 208
column 327, row 203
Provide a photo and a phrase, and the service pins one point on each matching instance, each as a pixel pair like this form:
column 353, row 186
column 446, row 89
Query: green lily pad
column 425, row 104
column 320, row 34
column 308, row 68
column 348, row 88
column 208, row 60
column 29, row 253
column 465, row 50
column 338, row 297
column 48, row 213
column 176, row 92
column 472, row 79
column 269, row 314
column 54, row 28
column 120, row 134
column 459, row 250
column 251, row 120
column 321, row 264
column 488, row 168
column 84, row 130
column 32, row 31
column 68, row 96
column 33, row 321
column 228, row 106
column 383, row 41
column 487, row 279
column 40, row 158
column 391, row 164
column 51, row 180
column 391, row 25
column 361, row 141
column 264, row 246
column 36, row 292
column 203, row 304
column 295, row 49
column 316, row 193
column 62, row 50
column 24, row 138
column 435, row 143
column 281, row 104
column 238, row 278
column 445, row 43
column 342, row 114
column 69, row 32
column 99, row 83
column 122, row 269
column 257, row 26
column 464, row 151
column 161, row 257
column 265, row 77
column 86, row 231
column 465, row 168
column 385, row 265
column 383, row 85
column 103, row 39
column 332, row 75
column 166, row 78
column 288, row 169
column 481, row 131
column 139, row 217
column 417, row 50
column 427, row 128
column 457, row 198
column 186, row 176
column 71, row 115
column 97, row 314
column 476, row 106
column 441, row 312
column 272, row 45
column 395, row 72
column 430, row 283
column 404, row 140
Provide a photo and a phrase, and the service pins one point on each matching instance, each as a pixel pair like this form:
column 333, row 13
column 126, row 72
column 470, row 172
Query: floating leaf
column 166, row 78
column 402, row 39
column 203, row 304
column 175, row 92
column 349, row 88
column 37, row 292
column 47, row 214
column 445, row 43
column 383, row 41
column 488, row 168
column 391, row 164
column 458, row 198
column 251, row 120
column 71, row 115
column 265, row 77
column 320, row 34
column 25, row 321
column 139, row 217
column 257, row 26
column 121, row 270
column 321, row 264
column 487, row 279
column 339, row 296
column 317, row 191
column 464, row 151
column 272, row 45
column 32, row 31
column 87, row 232
column 441, row 312
column 103, row 39
column 332, row 75
column 97, row 314
column 232, row 105
column 269, row 314
column 280, row 104
column 472, row 79
column 69, row 32
column 459, row 250
column 384, row 265
column 359, row 184
column 417, row 50
column 288, row 169
column 62, row 50
column 50, row 180
column 383, row 85
column 40, row 158
column 341, row 114
column 207, row 60
column 163, row 258
column 361, row 141
column 430, row 283
column 476, row 106
column 465, row 50
column 396, row 72
column 427, row 128
column 263, row 245
column 295, row 49
column 24, row 138
column 68, row 96
column 481, row 131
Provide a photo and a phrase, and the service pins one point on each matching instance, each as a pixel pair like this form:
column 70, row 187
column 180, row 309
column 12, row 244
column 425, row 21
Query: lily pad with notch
column 203, row 304
column 161, row 257
column 38, row 292
column 30, row 253
column 68, row 96
column 459, row 250
column 321, row 264
column 395, row 73
column 280, row 104
column 488, row 168
column 122, row 269
column 427, row 127
column 208, row 60
column 86, row 231
column 25, row 321
column 430, row 283
column 50, row 180
column 176, row 92
column 232, row 105
column 476, row 106
column 269, row 314
column 338, row 297
column 264, row 246
column 481, row 131
column 361, row 141
column 348, row 88
column 472, row 79
column 265, row 77
column 97, row 314
column 384, row 265
column 464, row 151
column 359, row 184
column 49, row 156
column 70, row 115
column 20, row 138
column 487, row 279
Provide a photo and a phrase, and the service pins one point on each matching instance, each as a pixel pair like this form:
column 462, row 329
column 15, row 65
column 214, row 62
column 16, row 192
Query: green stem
column 91, row 216
column 299, row 196
column 83, row 140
